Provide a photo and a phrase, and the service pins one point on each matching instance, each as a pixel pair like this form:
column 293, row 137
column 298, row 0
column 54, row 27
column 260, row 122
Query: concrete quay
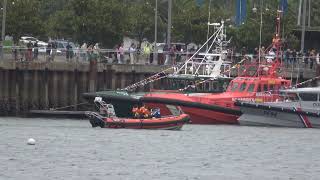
column 46, row 85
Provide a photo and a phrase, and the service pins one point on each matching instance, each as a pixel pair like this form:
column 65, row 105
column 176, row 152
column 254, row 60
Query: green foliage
column 23, row 18
column 107, row 21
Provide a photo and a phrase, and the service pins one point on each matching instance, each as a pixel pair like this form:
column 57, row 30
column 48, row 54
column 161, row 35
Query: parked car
column 27, row 39
column 62, row 46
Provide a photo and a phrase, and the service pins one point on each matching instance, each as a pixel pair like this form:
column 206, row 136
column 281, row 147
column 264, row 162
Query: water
column 71, row 149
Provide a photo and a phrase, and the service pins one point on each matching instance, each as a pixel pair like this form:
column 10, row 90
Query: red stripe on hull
column 305, row 119
column 200, row 116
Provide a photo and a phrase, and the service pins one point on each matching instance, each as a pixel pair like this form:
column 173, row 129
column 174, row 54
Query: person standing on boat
column 135, row 111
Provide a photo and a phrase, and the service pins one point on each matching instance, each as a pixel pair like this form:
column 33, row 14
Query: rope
column 304, row 82
column 64, row 107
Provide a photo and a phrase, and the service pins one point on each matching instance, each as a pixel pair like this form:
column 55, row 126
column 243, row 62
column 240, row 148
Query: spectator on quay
column 54, row 50
column 146, row 52
column 151, row 54
column 48, row 51
column 115, row 54
column 256, row 53
column 243, row 51
column 312, row 58
column 84, row 51
column 22, row 49
column 173, row 51
column 318, row 63
column 306, row 59
column 121, row 51
column 294, row 57
column 132, row 51
column 29, row 51
column 179, row 51
column 69, row 52
column 35, row 50
column 118, row 54
column 96, row 51
column 286, row 57
column 90, row 54
column 15, row 52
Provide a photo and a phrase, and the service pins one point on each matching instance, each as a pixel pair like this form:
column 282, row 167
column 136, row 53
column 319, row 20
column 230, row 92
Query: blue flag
column 284, row 6
column 241, row 12
column 199, row 2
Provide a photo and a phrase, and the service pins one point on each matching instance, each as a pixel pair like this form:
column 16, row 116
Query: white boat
column 299, row 108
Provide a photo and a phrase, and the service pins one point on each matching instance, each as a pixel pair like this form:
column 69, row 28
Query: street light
column 254, row 9
column 155, row 49
column 3, row 25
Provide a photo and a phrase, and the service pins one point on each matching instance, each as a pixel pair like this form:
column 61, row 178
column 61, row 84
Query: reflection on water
column 71, row 149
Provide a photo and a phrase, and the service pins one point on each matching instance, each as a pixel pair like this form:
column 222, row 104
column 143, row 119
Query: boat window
column 259, row 88
column 234, row 87
column 289, row 96
column 308, row 96
column 251, row 88
column 243, row 87
column 271, row 88
column 265, row 87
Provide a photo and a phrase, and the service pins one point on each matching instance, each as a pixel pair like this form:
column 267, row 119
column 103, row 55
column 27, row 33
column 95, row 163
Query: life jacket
column 135, row 110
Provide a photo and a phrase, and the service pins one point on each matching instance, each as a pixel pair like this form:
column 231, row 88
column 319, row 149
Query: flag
column 241, row 11
column 199, row 2
column 284, row 6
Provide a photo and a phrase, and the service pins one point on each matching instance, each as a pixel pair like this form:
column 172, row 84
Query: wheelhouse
column 258, row 85
column 307, row 97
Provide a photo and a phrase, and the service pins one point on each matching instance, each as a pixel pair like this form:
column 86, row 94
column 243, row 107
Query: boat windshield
column 234, row 87
column 308, row 96
column 251, row 88
column 243, row 87
column 290, row 97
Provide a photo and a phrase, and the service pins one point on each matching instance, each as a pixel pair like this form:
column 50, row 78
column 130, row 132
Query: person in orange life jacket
column 144, row 112
column 135, row 111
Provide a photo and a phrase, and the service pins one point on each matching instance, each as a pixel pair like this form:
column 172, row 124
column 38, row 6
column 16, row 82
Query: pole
column 155, row 54
column 169, row 30
column 299, row 13
column 3, row 33
column 303, row 32
column 309, row 13
column 260, row 40
column 208, row 30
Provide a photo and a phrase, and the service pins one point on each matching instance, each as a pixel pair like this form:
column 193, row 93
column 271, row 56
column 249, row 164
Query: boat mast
column 208, row 30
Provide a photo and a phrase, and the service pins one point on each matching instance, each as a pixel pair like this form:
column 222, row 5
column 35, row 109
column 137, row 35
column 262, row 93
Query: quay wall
column 44, row 85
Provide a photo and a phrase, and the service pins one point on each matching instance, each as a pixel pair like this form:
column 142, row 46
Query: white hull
column 254, row 116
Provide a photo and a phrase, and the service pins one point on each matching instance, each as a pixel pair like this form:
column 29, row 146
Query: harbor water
column 71, row 149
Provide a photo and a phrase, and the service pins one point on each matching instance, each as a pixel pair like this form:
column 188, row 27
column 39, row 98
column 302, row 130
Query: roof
column 303, row 90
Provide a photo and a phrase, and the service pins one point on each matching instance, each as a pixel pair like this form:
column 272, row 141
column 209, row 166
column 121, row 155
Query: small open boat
column 107, row 119
column 168, row 122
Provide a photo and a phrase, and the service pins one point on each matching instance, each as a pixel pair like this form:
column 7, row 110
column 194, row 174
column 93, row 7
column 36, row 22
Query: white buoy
column 31, row 141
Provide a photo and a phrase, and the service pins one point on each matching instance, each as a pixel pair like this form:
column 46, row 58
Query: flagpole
column 3, row 32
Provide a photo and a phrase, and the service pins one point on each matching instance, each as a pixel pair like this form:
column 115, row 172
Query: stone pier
column 44, row 85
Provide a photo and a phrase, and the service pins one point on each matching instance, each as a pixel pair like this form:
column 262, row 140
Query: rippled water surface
column 71, row 149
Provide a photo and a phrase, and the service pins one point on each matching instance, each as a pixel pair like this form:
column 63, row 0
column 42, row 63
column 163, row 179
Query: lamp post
column 155, row 49
column 3, row 32
column 261, row 23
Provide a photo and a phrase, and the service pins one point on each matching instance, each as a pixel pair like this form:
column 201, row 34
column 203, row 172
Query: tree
column 23, row 18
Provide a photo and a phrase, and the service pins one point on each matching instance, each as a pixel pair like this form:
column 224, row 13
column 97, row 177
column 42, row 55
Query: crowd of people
column 143, row 54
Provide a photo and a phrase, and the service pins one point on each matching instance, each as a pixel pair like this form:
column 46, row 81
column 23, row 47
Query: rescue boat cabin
column 264, row 88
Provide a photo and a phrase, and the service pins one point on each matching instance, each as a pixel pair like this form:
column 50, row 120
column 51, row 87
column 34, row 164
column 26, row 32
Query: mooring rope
column 64, row 107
